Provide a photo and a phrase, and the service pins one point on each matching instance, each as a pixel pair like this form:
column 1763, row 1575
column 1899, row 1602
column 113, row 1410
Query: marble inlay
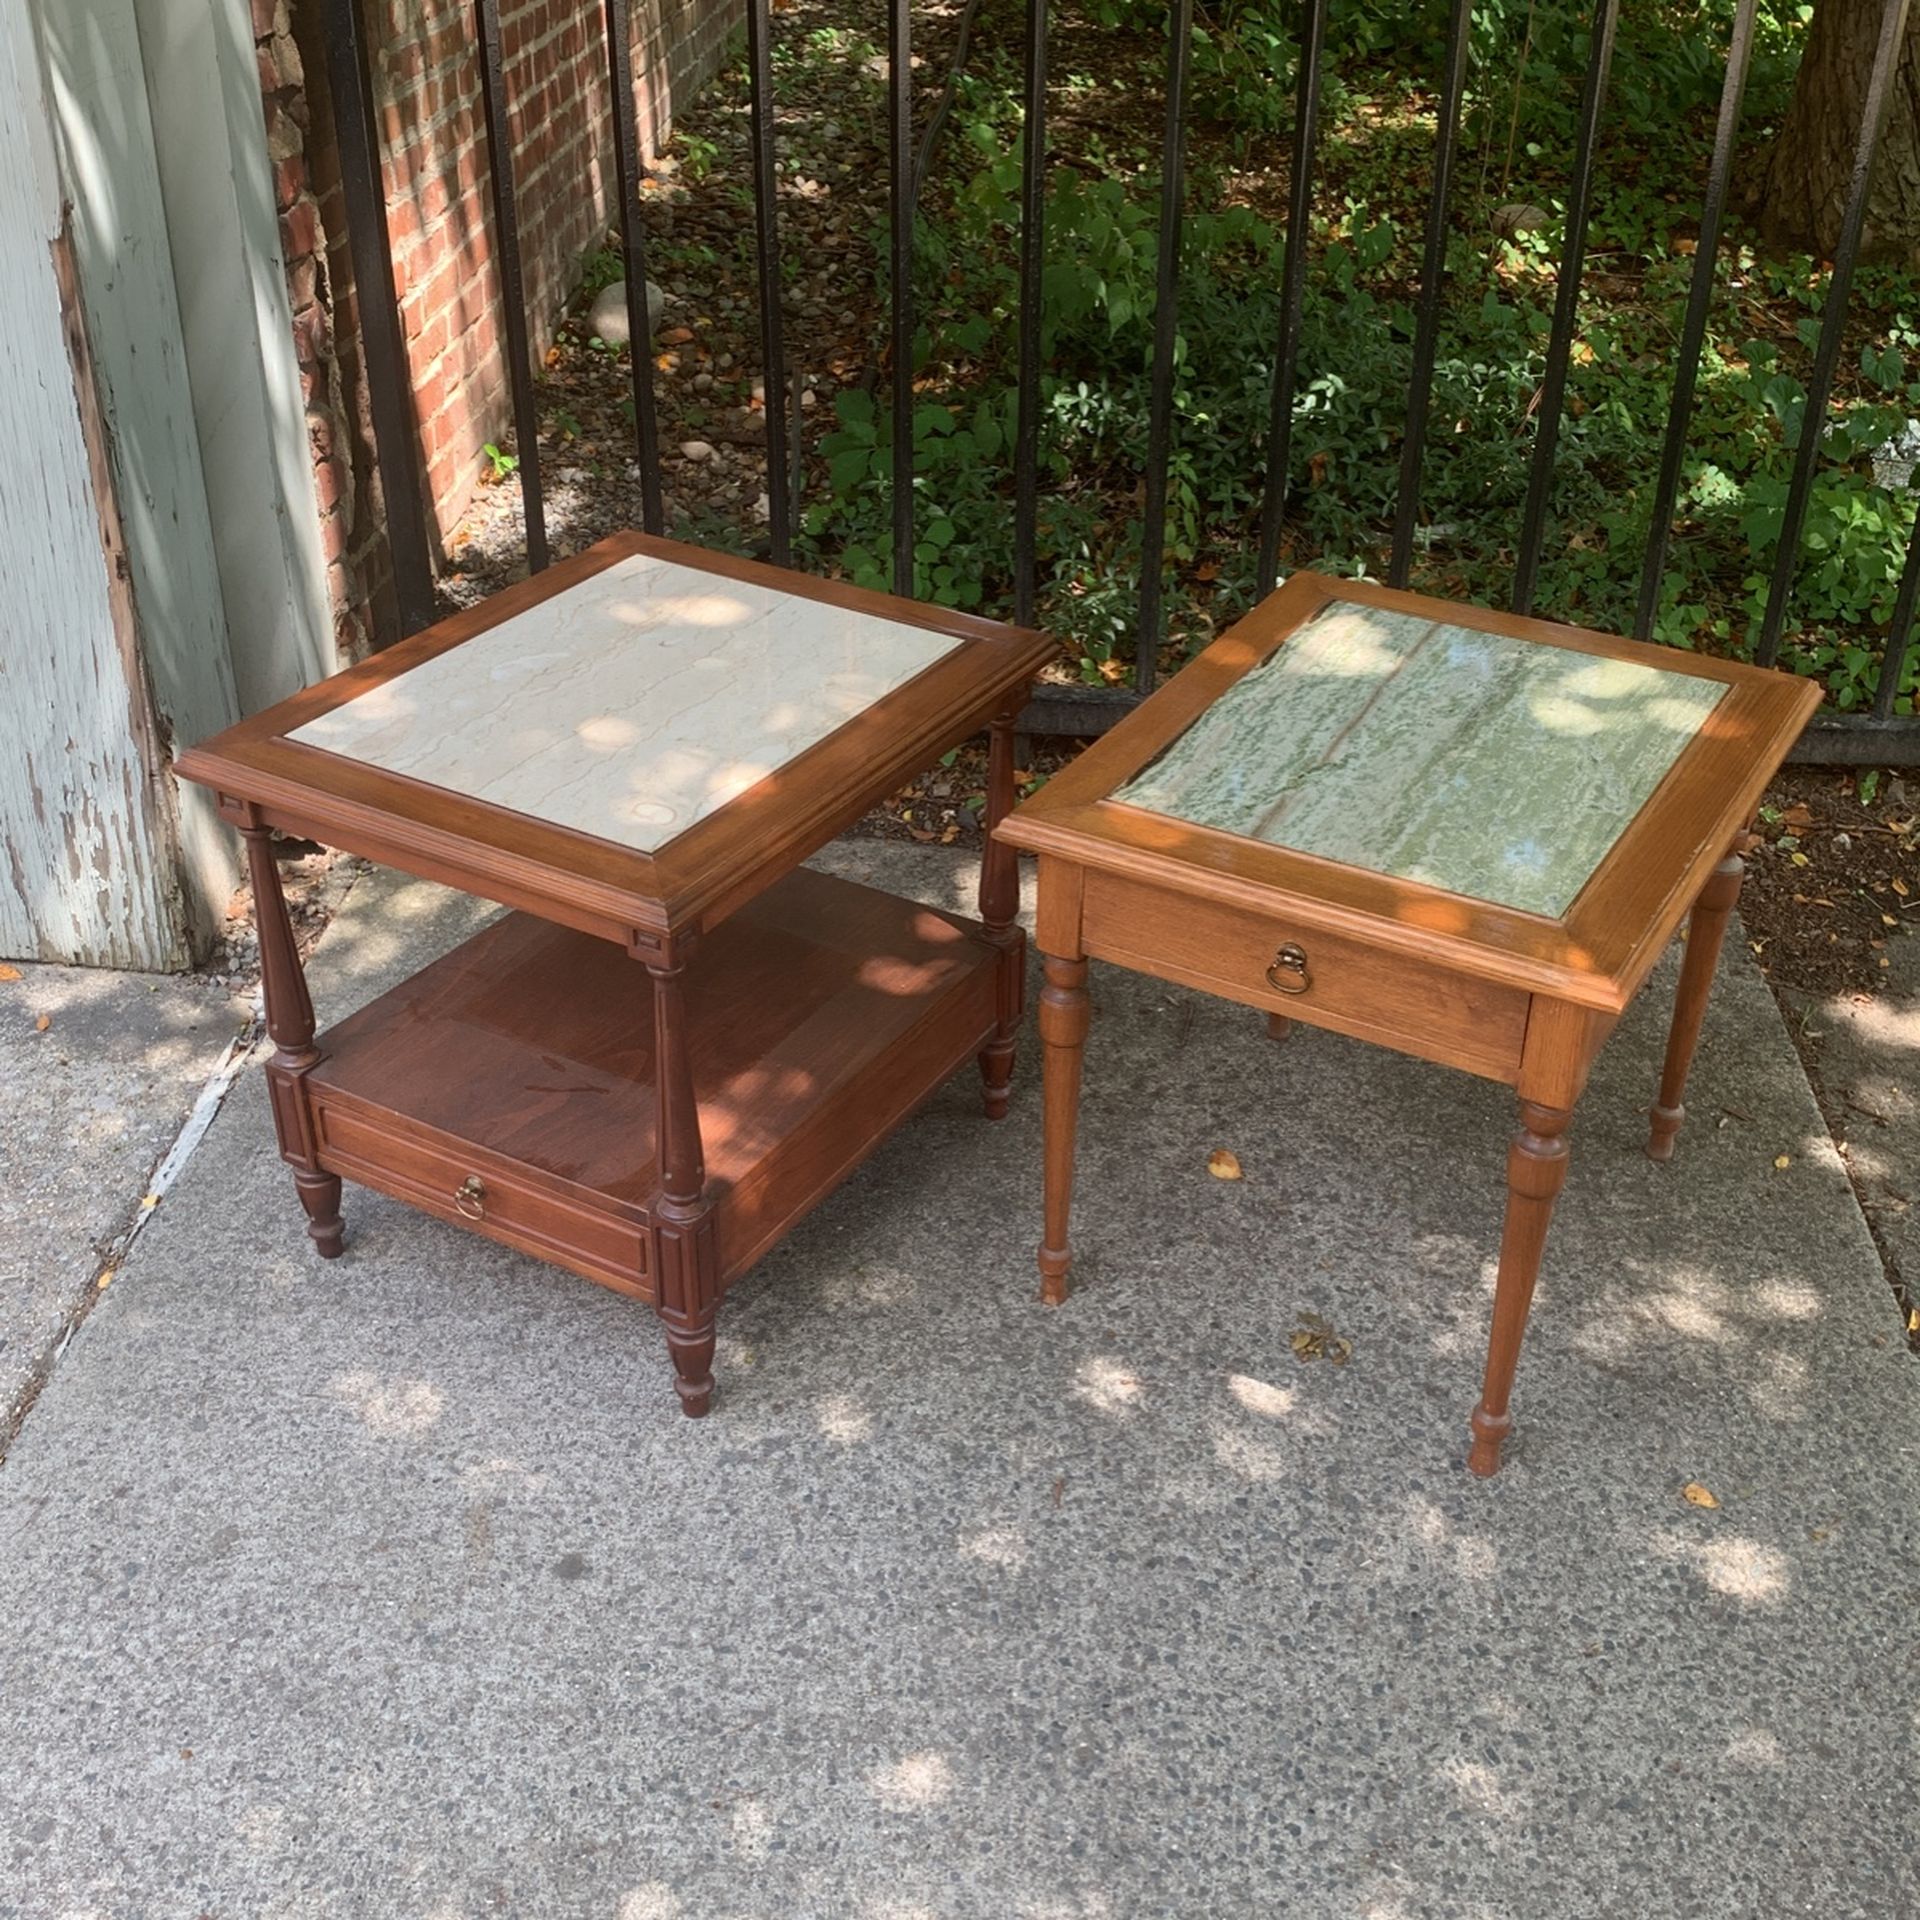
column 633, row 704
column 1497, row 768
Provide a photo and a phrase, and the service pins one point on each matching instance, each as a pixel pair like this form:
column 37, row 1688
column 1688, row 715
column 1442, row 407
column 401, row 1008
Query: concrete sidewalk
column 98, row 1070
column 399, row 1586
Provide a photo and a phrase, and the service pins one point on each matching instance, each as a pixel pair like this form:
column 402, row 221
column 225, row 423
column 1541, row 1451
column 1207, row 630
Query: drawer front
column 1328, row 980
column 479, row 1190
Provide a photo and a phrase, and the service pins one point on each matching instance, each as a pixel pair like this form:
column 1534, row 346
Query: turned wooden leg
column 320, row 1195
column 283, row 986
column 999, row 914
column 1278, row 1026
column 686, row 1247
column 1706, row 931
column 1063, row 1034
column 1536, row 1171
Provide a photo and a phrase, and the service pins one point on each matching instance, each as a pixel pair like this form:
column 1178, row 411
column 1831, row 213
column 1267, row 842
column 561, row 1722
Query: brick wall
column 426, row 83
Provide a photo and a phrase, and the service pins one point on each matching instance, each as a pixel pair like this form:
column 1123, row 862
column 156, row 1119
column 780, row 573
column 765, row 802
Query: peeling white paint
column 86, row 840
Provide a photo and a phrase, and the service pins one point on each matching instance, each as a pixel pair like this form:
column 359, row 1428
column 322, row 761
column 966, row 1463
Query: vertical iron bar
column 1566, row 307
column 1693, row 329
column 513, row 298
column 1293, row 277
column 633, row 253
column 1900, row 633
column 900, row 182
column 1166, row 317
column 766, row 214
column 1826, row 353
column 389, row 384
column 1033, row 264
column 1433, row 270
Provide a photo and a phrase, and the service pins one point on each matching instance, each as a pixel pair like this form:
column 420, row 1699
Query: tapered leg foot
column 1063, row 1034
column 996, row 1076
column 1278, row 1026
column 692, row 1351
column 320, row 1195
column 1706, row 931
column 1536, row 1171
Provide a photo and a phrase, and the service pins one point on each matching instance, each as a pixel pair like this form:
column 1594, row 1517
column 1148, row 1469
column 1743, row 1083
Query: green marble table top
column 1497, row 768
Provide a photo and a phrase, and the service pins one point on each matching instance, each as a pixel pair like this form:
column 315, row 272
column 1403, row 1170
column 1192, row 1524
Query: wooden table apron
column 433, row 1093
column 1515, row 998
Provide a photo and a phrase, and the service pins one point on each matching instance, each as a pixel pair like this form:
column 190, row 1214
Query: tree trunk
column 1802, row 197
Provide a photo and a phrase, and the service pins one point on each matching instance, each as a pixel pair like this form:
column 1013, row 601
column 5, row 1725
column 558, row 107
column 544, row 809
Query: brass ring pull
column 470, row 1197
column 1289, row 974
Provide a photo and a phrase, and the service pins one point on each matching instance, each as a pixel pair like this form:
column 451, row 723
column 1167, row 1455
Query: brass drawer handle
column 1289, row 974
column 470, row 1197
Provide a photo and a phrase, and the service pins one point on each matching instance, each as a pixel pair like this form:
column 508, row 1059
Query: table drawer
column 480, row 1190
column 1328, row 980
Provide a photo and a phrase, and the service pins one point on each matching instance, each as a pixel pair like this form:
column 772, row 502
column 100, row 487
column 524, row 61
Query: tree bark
column 1802, row 196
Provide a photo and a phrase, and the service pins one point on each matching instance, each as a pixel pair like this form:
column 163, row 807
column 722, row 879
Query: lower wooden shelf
column 509, row 1086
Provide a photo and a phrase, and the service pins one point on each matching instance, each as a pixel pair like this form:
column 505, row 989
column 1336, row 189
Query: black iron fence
column 1875, row 736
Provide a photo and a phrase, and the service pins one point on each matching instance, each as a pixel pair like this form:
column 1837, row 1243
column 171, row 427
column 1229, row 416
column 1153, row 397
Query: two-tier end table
column 635, row 749
column 1464, row 835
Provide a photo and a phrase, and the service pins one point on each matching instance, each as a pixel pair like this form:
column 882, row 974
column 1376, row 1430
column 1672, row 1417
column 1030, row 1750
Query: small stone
column 762, row 508
column 703, row 383
column 1518, row 217
column 809, row 400
column 1896, row 794
column 1841, row 842
column 696, row 449
column 608, row 314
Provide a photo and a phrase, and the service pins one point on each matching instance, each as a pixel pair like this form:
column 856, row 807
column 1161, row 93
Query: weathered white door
column 88, row 861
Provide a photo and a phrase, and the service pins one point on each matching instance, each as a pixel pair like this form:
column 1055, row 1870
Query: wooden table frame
column 1515, row 997
column 680, row 1245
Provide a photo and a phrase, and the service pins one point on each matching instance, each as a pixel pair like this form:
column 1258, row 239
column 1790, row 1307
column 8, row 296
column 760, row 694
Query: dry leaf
column 8, row 973
column 43, row 1023
column 1223, row 1165
column 1695, row 1495
column 105, row 1280
column 1314, row 1339
column 1900, row 887
column 1782, row 1161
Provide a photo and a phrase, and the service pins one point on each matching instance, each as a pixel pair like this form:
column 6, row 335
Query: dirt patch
column 1834, row 880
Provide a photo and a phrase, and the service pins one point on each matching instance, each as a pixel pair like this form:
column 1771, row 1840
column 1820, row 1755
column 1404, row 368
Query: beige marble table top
column 635, row 703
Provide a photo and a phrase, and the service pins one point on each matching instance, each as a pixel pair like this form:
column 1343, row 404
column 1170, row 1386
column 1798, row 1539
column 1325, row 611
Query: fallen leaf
column 9, row 973
column 105, row 1280
column 1314, row 1339
column 1900, row 887
column 1782, row 1161
column 1695, row 1495
column 43, row 1023
column 1223, row 1165
column 148, row 1202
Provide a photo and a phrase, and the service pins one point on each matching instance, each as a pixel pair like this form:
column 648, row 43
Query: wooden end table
column 635, row 749
column 1457, row 833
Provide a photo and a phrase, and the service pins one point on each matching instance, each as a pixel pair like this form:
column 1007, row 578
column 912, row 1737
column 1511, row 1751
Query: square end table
column 635, row 749
column 1461, row 834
